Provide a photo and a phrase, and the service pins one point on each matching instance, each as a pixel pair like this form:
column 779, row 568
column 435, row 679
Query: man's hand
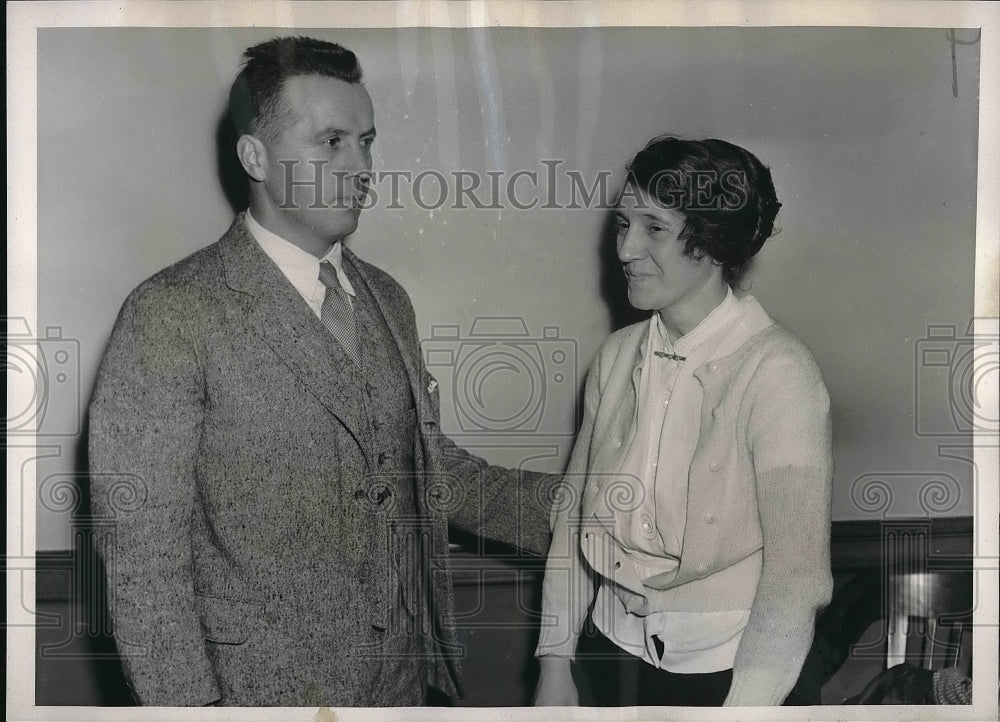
column 556, row 687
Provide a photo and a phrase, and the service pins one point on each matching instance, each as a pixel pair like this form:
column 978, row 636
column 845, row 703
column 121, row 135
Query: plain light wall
column 873, row 157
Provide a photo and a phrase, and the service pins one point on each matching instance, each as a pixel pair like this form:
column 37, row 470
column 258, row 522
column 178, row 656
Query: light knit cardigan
column 758, row 504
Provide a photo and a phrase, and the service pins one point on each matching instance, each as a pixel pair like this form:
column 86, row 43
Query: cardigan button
column 712, row 368
column 646, row 522
column 701, row 569
column 709, row 518
column 618, row 565
column 715, row 466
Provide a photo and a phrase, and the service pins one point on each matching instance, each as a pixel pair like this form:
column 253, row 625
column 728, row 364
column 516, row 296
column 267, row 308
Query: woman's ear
column 253, row 157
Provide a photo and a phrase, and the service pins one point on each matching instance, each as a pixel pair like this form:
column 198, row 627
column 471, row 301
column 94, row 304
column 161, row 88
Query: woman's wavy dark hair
column 725, row 193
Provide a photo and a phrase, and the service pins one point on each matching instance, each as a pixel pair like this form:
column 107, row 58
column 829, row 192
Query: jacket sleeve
column 568, row 587
column 495, row 502
column 145, row 426
column 790, row 443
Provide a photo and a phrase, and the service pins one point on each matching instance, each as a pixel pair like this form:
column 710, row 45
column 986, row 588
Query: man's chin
column 344, row 224
column 346, row 229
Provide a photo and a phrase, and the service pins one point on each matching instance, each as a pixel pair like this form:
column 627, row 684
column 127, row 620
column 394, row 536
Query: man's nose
column 355, row 168
column 359, row 158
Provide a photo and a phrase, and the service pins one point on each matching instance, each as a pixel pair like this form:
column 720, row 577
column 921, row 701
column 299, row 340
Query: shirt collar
column 720, row 317
column 299, row 266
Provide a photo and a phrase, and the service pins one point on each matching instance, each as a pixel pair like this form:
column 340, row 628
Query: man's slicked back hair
column 255, row 100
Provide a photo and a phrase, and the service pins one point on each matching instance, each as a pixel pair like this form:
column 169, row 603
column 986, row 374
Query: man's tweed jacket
column 245, row 550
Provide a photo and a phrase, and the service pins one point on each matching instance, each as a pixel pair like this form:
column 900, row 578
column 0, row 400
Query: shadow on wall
column 231, row 176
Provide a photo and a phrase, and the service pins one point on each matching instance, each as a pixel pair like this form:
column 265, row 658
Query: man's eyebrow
column 331, row 130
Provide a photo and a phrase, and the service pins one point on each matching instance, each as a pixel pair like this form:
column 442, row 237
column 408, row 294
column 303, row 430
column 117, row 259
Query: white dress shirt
column 300, row 267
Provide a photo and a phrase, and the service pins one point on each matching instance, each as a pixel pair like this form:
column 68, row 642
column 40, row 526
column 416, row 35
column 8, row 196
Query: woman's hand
column 556, row 687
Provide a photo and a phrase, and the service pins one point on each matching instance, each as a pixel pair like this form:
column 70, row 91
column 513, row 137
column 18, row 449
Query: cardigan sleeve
column 790, row 443
column 568, row 589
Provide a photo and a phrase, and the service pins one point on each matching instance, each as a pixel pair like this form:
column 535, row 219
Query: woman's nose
column 629, row 245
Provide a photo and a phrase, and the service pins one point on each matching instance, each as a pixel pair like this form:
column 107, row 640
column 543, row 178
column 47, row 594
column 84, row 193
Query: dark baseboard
column 857, row 545
column 54, row 575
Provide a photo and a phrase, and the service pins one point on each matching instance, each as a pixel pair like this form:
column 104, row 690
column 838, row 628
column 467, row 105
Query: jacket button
column 709, row 518
column 715, row 466
column 382, row 457
column 360, row 494
column 377, row 424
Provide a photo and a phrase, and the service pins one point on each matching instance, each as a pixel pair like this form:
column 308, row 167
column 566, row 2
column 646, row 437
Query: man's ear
column 253, row 156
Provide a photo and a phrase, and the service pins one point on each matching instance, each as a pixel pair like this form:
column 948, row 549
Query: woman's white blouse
column 650, row 518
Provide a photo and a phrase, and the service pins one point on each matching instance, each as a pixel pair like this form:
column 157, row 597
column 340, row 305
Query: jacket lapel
column 402, row 334
column 284, row 321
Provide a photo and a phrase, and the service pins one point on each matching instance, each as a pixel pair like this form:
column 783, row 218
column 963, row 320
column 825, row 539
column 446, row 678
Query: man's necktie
column 337, row 313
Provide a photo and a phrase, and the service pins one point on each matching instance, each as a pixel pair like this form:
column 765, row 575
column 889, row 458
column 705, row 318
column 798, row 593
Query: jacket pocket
column 227, row 621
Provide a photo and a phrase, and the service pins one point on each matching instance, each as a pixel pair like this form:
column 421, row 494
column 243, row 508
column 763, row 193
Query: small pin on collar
column 671, row 356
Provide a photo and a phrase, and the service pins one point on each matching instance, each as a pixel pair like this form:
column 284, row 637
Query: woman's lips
column 633, row 274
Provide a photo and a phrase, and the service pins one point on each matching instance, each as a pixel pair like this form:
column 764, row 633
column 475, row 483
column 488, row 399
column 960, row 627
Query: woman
column 698, row 492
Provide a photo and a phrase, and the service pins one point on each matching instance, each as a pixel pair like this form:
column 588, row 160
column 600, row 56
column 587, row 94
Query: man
column 265, row 438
